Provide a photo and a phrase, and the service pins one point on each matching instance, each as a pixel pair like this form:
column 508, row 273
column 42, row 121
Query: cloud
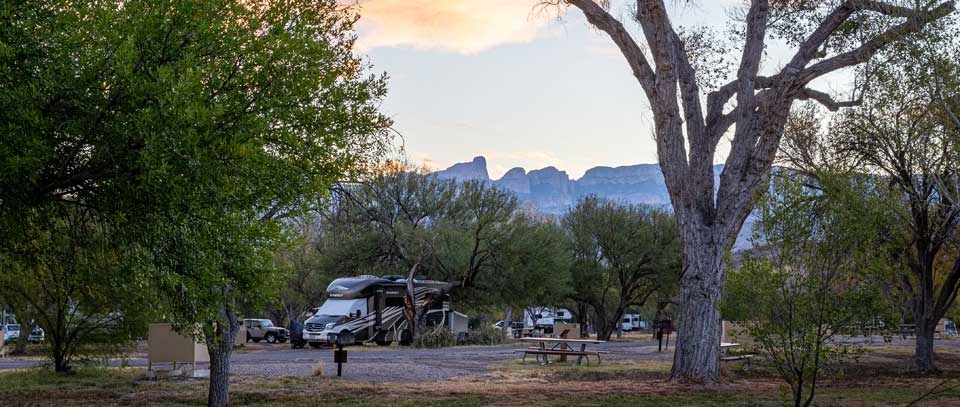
column 423, row 159
column 463, row 26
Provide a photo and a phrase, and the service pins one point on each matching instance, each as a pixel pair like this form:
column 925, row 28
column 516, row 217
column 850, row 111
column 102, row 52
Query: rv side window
column 560, row 314
column 626, row 320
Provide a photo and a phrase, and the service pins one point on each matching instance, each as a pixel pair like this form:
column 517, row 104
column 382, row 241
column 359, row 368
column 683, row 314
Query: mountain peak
column 473, row 170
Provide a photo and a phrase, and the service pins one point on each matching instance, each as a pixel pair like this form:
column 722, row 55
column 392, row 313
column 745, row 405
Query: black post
column 339, row 364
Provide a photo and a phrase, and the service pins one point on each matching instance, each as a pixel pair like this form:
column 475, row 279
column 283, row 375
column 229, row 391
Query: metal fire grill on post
column 340, row 354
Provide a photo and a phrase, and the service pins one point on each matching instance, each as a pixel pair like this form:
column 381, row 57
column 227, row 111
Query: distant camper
column 633, row 322
column 543, row 317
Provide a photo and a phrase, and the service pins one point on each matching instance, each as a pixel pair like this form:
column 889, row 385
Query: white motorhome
column 370, row 308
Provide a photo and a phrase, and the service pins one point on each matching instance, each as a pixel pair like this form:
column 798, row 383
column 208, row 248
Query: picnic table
column 560, row 347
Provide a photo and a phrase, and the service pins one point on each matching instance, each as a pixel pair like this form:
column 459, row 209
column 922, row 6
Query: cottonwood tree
column 689, row 127
column 620, row 255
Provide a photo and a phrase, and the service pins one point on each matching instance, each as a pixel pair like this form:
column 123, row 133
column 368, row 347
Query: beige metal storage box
column 166, row 345
column 241, row 338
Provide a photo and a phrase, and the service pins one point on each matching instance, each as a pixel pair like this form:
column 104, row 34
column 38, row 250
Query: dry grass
column 877, row 378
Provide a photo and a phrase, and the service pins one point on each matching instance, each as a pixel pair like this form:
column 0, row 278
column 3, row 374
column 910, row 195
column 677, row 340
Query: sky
column 521, row 85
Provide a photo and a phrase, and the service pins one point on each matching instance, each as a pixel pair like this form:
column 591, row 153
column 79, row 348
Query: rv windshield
column 342, row 307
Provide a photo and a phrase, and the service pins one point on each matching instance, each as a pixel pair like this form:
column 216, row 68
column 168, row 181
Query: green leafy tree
column 193, row 127
column 621, row 254
column 906, row 131
column 814, row 272
column 533, row 267
column 63, row 272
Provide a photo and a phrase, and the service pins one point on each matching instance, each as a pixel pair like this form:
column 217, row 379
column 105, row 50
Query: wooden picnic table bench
column 724, row 346
column 558, row 352
column 561, row 347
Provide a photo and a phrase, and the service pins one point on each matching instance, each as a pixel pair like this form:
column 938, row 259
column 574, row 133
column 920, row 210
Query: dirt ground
column 634, row 373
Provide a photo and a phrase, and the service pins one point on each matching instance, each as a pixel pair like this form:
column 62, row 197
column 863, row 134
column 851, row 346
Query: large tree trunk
column 925, row 318
column 925, row 315
column 924, row 348
column 220, row 347
column 59, row 353
column 697, row 350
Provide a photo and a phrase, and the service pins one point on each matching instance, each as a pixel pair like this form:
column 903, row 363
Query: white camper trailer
column 543, row 317
column 633, row 322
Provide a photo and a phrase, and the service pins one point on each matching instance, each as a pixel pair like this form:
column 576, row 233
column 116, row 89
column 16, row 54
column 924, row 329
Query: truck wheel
column 270, row 337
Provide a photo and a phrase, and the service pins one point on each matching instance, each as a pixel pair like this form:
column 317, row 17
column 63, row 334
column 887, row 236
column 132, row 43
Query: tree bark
column 220, row 348
column 924, row 348
column 697, row 349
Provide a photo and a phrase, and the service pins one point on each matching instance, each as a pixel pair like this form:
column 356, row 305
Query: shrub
column 486, row 335
column 437, row 338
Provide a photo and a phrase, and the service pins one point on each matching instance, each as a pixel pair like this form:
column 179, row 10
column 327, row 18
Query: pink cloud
column 463, row 26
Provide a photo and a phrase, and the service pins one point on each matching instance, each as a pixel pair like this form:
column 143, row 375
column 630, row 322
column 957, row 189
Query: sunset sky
column 509, row 81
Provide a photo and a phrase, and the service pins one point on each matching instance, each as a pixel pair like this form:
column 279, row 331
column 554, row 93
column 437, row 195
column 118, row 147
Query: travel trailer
column 370, row 309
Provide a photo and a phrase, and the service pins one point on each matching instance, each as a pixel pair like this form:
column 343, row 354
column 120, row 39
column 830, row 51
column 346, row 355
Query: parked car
column 37, row 336
column 11, row 332
column 513, row 325
column 264, row 330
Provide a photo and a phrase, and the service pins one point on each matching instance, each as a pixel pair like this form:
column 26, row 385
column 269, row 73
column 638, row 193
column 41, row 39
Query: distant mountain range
column 552, row 191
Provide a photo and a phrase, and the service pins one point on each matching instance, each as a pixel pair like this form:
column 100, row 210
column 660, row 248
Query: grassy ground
column 879, row 378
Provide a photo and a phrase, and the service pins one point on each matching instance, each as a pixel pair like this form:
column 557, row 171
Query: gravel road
column 385, row 364
column 373, row 364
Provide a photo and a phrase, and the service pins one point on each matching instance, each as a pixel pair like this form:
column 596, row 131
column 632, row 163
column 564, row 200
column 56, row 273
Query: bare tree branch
column 826, row 100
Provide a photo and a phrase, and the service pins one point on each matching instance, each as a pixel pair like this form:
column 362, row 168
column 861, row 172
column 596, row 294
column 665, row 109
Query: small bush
column 487, row 335
column 439, row 338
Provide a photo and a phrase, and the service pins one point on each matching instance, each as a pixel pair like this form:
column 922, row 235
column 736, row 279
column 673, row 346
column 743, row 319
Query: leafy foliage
column 817, row 270
column 622, row 254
